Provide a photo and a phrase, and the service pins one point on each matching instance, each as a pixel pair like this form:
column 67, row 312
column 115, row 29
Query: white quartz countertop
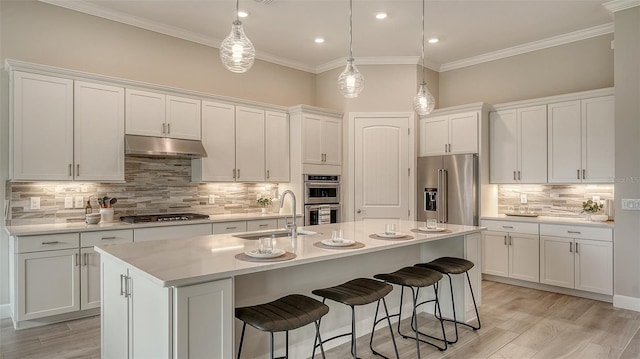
column 201, row 259
column 38, row 229
column 551, row 220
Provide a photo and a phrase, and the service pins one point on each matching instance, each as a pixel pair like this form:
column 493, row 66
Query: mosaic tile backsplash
column 551, row 200
column 152, row 185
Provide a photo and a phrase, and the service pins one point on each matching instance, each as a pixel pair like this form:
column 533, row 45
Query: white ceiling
column 282, row 31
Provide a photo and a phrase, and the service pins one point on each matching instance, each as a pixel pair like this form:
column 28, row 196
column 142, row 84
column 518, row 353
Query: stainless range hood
column 146, row 146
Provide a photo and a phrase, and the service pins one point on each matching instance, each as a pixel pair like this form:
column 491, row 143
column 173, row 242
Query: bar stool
column 356, row 292
column 281, row 315
column 415, row 278
column 448, row 266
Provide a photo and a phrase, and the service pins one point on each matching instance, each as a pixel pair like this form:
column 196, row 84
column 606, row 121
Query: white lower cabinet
column 511, row 250
column 171, row 232
column 583, row 261
column 163, row 322
column 89, row 278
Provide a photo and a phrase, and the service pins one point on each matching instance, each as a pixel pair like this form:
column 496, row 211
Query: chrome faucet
column 292, row 228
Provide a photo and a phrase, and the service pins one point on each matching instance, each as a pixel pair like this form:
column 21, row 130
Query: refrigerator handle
column 445, row 196
column 439, row 196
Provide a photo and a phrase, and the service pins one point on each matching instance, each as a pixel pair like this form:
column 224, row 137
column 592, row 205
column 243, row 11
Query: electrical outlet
column 34, row 203
column 78, row 201
column 68, row 202
column 212, row 199
column 523, row 198
column 631, row 204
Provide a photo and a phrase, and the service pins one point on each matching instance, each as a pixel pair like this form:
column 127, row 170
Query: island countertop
column 175, row 263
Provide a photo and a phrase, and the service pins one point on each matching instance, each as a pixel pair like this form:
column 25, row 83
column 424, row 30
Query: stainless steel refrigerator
column 448, row 189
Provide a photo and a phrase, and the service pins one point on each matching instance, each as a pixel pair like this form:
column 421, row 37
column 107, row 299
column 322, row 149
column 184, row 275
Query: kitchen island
column 175, row 298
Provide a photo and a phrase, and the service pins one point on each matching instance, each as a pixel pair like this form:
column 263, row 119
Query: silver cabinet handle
column 86, row 259
column 584, row 176
column 122, row 276
column 127, row 286
column 107, row 238
column 263, row 225
column 238, row 172
column 164, row 128
column 571, row 247
column 519, row 176
column 574, row 232
column 510, row 240
column 70, row 170
column 231, row 227
column 168, row 128
column 267, row 174
column 514, row 175
column 359, row 211
column 578, row 173
column 505, row 240
column 576, row 247
column 78, row 169
column 234, row 173
column 51, row 242
column 77, row 255
column 509, row 227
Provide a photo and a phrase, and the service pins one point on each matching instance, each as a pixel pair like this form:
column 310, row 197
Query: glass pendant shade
column 351, row 81
column 424, row 102
column 236, row 51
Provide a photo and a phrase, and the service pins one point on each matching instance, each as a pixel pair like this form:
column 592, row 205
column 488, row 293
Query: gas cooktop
column 165, row 217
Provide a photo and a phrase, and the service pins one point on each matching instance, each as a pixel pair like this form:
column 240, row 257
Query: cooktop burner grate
column 165, row 217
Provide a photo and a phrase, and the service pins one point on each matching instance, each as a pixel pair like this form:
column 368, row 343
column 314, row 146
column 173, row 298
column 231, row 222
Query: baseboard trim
column 5, row 311
column 624, row 302
column 550, row 288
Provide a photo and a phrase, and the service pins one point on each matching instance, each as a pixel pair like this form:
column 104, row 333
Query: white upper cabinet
column 277, row 146
column 581, row 141
column 518, row 146
column 449, row 134
column 322, row 140
column 154, row 114
column 99, row 132
column 42, row 127
column 219, row 140
column 249, row 144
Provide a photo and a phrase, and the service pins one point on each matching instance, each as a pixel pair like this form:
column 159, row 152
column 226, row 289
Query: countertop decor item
column 265, row 203
column 599, row 217
column 591, row 207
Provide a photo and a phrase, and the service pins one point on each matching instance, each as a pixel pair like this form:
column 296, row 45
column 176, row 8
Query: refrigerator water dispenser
column 431, row 199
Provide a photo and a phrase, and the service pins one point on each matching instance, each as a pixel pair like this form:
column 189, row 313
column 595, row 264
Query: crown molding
column 378, row 60
column 530, row 47
column 619, row 5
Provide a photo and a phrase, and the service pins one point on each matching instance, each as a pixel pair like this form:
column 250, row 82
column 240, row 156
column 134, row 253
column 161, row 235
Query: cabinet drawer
column 229, row 227
column 171, row 232
column 282, row 222
column 509, row 226
column 90, row 239
column 581, row 232
column 47, row 242
column 262, row 224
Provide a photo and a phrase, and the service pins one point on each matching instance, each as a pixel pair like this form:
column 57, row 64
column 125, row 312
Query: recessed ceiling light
column 319, row 40
column 433, row 40
column 381, row 15
column 242, row 13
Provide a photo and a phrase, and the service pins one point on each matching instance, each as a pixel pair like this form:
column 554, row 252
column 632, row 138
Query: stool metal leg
column 319, row 338
column 453, row 305
column 244, row 326
column 414, row 321
column 353, row 333
column 271, row 344
column 475, row 306
column 373, row 330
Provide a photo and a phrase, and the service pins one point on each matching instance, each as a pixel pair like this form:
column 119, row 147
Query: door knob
column 358, row 211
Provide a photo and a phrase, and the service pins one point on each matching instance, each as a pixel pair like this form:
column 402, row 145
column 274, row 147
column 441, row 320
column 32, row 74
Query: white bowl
column 92, row 218
column 599, row 217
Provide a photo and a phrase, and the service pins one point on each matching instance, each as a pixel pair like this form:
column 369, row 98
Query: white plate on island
column 344, row 243
column 256, row 253
column 395, row 235
column 425, row 229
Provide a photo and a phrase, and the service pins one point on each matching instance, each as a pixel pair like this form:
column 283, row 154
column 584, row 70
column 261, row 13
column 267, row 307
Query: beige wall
column 627, row 92
column 578, row 66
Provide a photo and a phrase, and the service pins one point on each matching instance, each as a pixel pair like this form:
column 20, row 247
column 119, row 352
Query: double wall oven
column 321, row 199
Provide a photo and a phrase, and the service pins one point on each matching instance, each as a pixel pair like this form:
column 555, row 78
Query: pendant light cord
column 423, row 41
column 238, row 17
column 350, row 29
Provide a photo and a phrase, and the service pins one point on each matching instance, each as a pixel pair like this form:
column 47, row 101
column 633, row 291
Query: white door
column 495, row 253
column 564, row 140
column 98, row 132
column 503, row 140
column 556, row 261
column 312, row 143
column 89, row 278
column 598, row 140
column 115, row 326
column 219, row 140
column 145, row 113
column 532, row 139
column 594, row 266
column 277, row 146
column 332, row 141
column 524, row 259
column 463, row 133
column 381, row 162
column 249, row 144
column 42, row 127
column 434, row 135
column 183, row 118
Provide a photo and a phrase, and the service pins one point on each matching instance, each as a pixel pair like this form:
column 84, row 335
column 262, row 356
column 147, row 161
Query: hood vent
column 145, row 146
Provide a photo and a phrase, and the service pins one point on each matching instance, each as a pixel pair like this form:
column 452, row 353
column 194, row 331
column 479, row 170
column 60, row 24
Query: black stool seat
column 359, row 291
column 287, row 313
column 411, row 277
column 449, row 265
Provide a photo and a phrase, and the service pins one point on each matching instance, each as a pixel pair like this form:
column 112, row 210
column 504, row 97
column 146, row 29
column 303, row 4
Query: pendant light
column 350, row 80
column 236, row 51
column 424, row 102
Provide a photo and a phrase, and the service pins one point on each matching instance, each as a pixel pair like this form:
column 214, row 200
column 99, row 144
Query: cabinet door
column 532, row 140
column 183, row 118
column 503, row 140
column 115, row 326
column 89, row 278
column 434, row 135
column 556, row 261
column 42, row 127
column 229, row 227
column 48, row 283
column 277, row 146
column 98, row 132
column 145, row 113
column 249, row 144
column 495, row 253
column 598, row 140
column 219, row 140
column 564, row 140
column 594, row 266
column 332, row 141
column 312, row 144
column 262, row 224
column 524, row 257
column 463, row 133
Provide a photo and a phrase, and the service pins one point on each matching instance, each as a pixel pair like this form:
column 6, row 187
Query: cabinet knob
column 358, row 211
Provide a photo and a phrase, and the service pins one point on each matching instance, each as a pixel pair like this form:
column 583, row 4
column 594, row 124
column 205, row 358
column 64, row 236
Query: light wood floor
column 517, row 323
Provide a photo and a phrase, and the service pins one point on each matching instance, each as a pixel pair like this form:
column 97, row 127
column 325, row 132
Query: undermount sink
column 273, row 233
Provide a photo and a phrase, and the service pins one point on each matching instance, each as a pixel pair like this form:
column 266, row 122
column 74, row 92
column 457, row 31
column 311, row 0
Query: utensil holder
column 106, row 214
